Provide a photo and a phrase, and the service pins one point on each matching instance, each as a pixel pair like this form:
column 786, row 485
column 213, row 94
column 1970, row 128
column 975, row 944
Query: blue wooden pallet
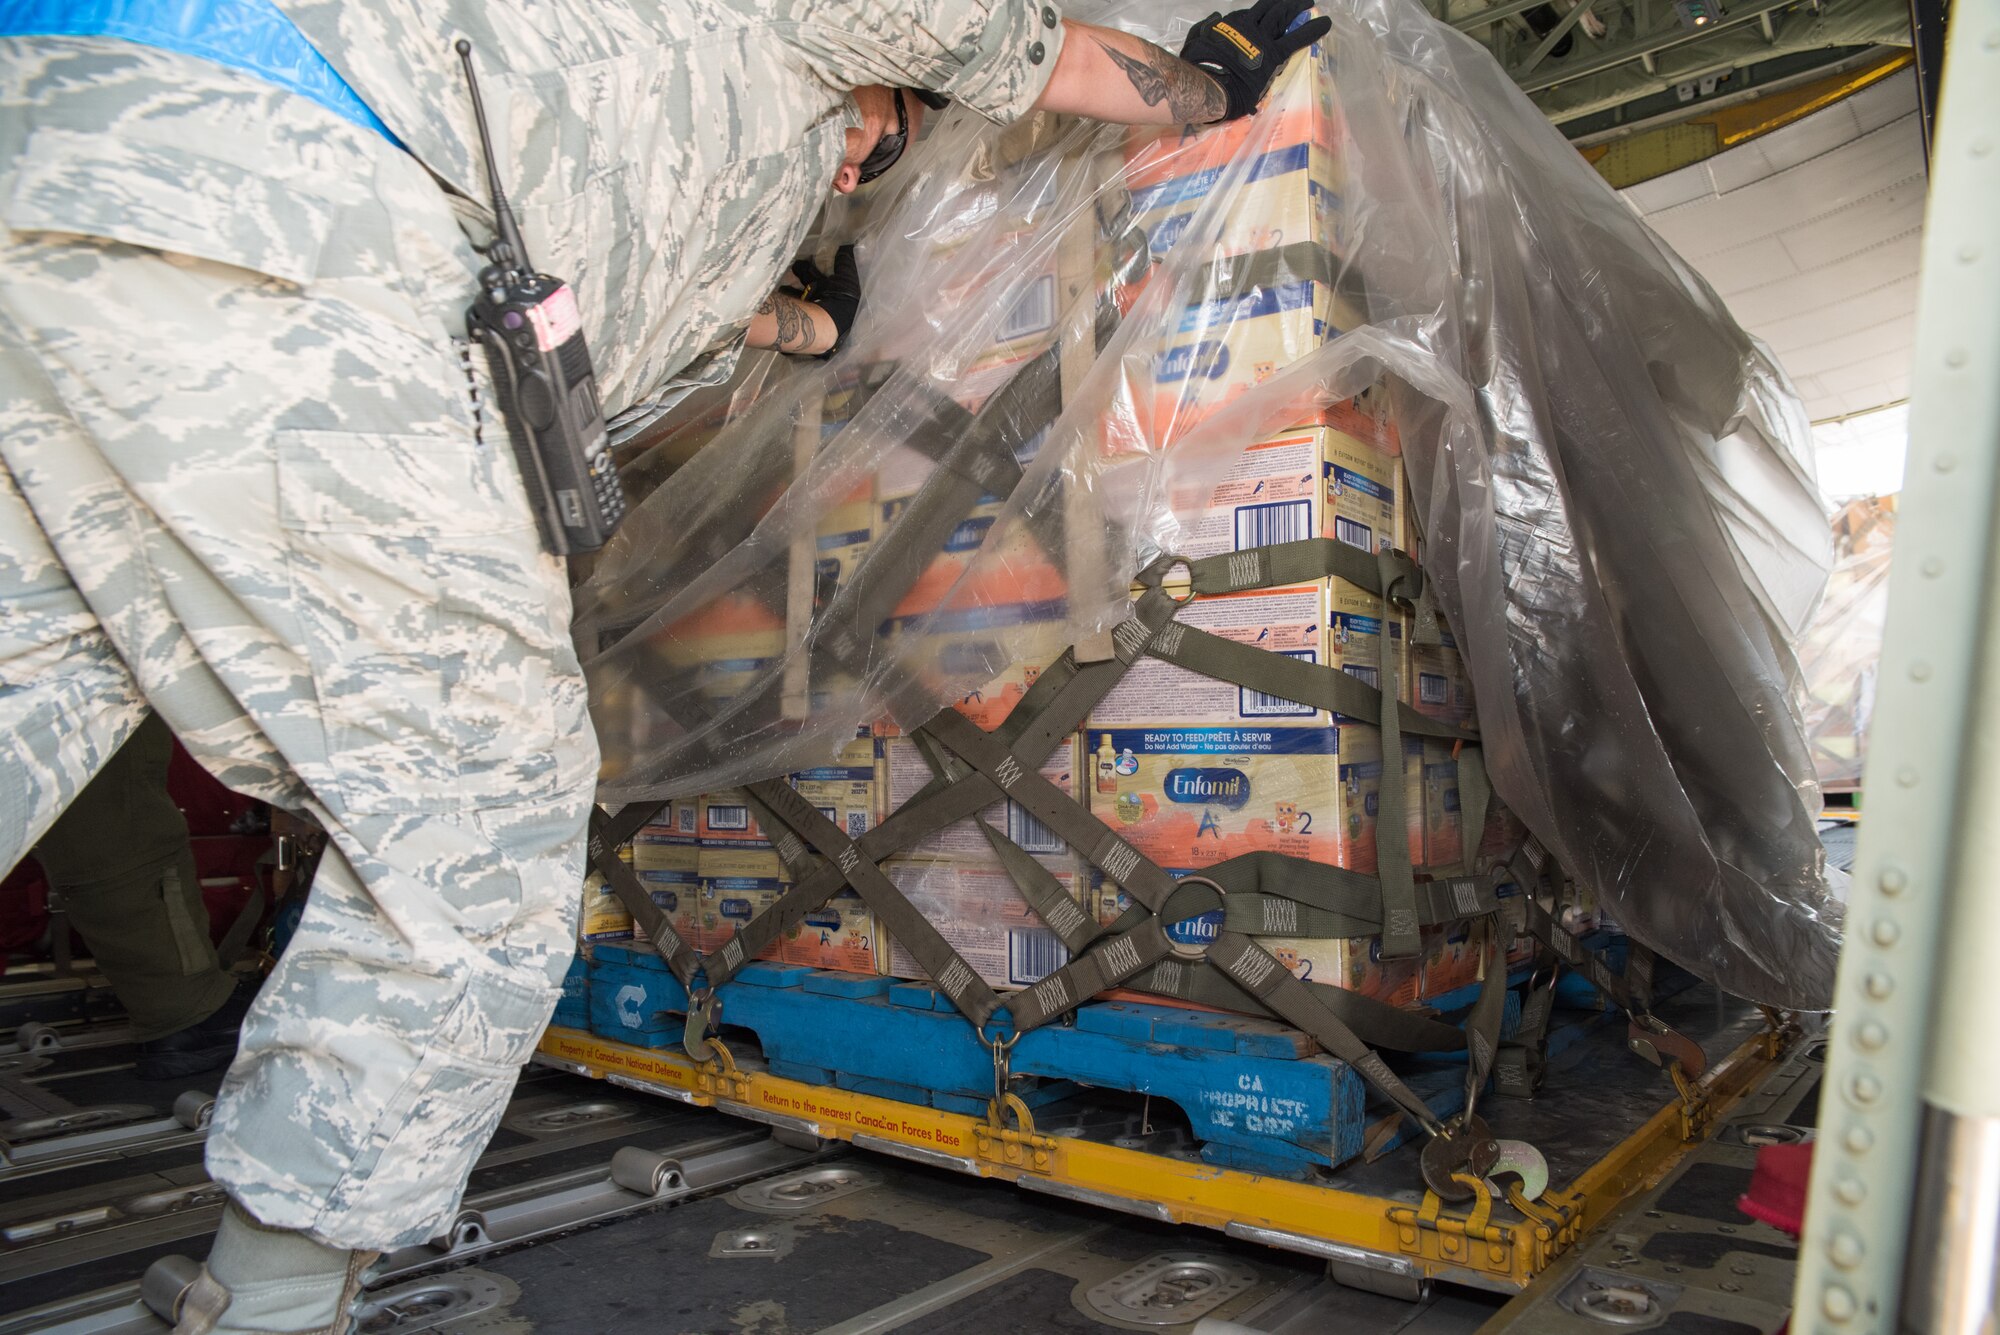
column 1256, row 1094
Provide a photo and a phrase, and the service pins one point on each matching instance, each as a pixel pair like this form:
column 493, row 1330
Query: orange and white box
column 1289, row 192
column 1157, row 694
column 1193, row 797
column 980, row 913
column 841, row 935
column 908, row 772
column 737, row 884
column 847, row 789
column 724, row 646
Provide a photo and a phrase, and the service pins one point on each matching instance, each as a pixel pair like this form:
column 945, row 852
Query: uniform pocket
column 425, row 604
column 164, row 197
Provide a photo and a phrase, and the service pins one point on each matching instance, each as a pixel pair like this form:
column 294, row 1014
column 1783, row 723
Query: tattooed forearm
column 784, row 322
column 1191, row 96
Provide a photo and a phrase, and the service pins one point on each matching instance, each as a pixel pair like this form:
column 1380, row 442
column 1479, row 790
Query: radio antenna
column 515, row 251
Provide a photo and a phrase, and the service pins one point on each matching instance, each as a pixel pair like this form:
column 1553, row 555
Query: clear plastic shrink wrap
column 1071, row 333
column 1840, row 649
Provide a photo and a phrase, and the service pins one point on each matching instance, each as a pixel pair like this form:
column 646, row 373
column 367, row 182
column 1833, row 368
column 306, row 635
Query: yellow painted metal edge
column 1466, row 1249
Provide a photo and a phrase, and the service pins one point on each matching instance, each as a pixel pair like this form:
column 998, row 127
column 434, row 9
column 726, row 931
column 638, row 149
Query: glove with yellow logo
column 1243, row 51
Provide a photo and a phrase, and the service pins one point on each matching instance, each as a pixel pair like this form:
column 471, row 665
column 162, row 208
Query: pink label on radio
column 556, row 318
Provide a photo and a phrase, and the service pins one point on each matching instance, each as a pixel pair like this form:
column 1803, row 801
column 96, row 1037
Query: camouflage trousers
column 248, row 485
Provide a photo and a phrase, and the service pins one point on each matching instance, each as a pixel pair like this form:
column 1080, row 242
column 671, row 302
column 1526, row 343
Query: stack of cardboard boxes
column 1192, row 771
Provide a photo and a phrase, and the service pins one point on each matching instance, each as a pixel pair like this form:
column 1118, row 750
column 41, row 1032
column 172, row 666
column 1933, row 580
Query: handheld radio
column 533, row 335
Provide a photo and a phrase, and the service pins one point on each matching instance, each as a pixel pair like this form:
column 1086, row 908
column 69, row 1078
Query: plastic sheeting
column 1070, row 332
column 1841, row 648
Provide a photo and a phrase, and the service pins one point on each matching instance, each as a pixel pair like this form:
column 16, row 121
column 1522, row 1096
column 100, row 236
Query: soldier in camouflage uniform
column 253, row 482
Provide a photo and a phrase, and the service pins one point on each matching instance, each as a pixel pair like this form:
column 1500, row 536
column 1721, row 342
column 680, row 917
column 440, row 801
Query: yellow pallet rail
column 1491, row 1246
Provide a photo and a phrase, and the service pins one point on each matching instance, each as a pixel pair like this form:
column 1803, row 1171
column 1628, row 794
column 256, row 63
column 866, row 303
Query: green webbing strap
column 1475, row 797
column 797, row 859
column 1523, row 1057
column 1253, row 969
column 1350, row 894
column 1097, row 842
column 1056, row 907
column 1235, row 276
column 621, row 825
column 1482, row 1025
column 1639, row 961
column 1400, row 935
column 1526, row 865
column 892, row 910
column 1317, row 684
column 1376, row 1023
column 1068, row 696
column 1105, row 965
column 1285, row 563
column 646, row 915
column 980, row 462
column 1044, row 895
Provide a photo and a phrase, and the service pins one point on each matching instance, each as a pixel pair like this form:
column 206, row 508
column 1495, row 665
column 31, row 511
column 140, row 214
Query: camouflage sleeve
column 993, row 55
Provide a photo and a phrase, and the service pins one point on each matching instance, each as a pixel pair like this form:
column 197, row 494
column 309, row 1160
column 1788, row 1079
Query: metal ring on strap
column 1190, row 950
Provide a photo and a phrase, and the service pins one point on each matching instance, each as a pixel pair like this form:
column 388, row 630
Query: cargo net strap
column 1261, row 893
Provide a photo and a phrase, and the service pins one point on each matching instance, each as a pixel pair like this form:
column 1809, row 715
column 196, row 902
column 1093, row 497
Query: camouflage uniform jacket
column 667, row 156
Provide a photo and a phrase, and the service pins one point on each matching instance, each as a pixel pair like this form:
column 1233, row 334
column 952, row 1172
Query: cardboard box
column 1156, row 694
column 1354, row 636
column 722, row 648
column 841, row 934
column 1352, row 963
column 738, row 882
column 1444, row 826
column 667, row 860
column 842, row 540
column 1289, row 192
column 728, row 818
column 604, row 917
column 847, row 790
column 1439, row 686
column 1450, row 961
column 978, row 910
column 908, row 773
column 1193, row 797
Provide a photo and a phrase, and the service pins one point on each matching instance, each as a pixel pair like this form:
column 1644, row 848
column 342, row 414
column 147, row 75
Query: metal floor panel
column 918, row 1251
column 556, row 1128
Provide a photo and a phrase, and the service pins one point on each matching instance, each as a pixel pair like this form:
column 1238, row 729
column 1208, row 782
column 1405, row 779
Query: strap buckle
column 1663, row 1045
column 703, row 1007
column 1458, row 1149
column 1003, row 1075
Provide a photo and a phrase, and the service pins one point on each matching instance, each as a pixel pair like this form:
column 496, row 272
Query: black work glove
column 837, row 293
column 1244, row 50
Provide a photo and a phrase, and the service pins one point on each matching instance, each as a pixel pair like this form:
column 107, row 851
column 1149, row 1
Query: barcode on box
column 1279, row 521
column 831, row 815
column 1361, row 672
column 1033, row 953
column 1354, row 533
column 1431, row 688
column 684, row 817
column 1029, row 833
column 1256, row 704
column 1033, row 313
column 729, row 818
column 857, row 824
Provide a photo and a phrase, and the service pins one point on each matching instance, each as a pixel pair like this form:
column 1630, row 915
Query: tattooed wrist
column 1190, row 96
